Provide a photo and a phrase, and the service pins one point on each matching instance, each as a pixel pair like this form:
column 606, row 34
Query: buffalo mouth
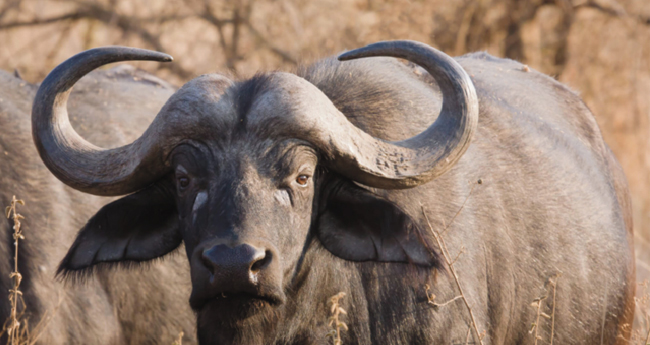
column 235, row 306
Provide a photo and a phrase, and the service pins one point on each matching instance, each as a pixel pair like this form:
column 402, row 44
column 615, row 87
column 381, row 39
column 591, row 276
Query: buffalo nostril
column 208, row 263
column 261, row 262
column 236, row 263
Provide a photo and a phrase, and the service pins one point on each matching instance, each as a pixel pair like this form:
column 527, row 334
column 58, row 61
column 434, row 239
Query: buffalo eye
column 302, row 180
column 183, row 182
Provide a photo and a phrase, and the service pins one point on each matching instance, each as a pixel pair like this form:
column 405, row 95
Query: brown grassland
column 600, row 48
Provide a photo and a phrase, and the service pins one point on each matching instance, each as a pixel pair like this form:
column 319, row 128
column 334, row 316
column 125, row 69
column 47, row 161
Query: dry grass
column 450, row 265
column 538, row 303
column 554, row 285
column 16, row 333
column 17, row 325
column 179, row 341
column 534, row 327
column 641, row 331
column 335, row 322
column 442, row 245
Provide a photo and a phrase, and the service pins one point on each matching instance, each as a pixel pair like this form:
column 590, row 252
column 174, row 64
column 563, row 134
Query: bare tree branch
column 9, row 5
column 82, row 15
column 270, row 46
column 109, row 17
column 136, row 25
column 65, row 33
column 241, row 15
column 613, row 12
column 36, row 22
column 130, row 24
column 208, row 15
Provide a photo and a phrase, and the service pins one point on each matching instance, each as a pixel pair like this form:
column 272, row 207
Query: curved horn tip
column 369, row 50
column 158, row 56
column 129, row 54
column 382, row 48
column 349, row 55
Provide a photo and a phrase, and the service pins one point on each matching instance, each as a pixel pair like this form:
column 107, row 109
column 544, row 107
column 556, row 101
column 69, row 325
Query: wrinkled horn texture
column 411, row 162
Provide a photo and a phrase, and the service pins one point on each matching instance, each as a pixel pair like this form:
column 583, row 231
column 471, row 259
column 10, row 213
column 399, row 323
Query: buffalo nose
column 236, row 265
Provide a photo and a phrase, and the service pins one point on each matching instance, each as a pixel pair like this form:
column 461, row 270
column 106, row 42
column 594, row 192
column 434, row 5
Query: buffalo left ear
column 357, row 225
column 139, row 227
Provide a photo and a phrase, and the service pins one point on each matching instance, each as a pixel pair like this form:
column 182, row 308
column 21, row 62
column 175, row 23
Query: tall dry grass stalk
column 17, row 325
column 335, row 323
column 12, row 326
column 553, row 282
column 538, row 303
column 179, row 341
column 450, row 264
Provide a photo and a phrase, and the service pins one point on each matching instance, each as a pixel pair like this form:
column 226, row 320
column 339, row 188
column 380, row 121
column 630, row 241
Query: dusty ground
column 600, row 48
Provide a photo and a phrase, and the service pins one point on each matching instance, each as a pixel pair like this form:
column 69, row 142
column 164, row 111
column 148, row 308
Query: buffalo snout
column 235, row 268
column 243, row 271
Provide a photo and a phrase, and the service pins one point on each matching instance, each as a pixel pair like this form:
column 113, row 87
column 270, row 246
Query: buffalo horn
column 75, row 161
column 411, row 162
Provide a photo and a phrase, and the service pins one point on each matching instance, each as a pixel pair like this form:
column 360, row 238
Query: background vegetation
column 600, row 48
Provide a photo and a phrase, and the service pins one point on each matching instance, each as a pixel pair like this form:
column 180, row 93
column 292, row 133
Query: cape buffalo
column 287, row 189
column 118, row 307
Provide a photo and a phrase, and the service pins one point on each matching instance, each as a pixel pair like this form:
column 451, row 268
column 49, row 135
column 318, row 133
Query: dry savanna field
column 599, row 48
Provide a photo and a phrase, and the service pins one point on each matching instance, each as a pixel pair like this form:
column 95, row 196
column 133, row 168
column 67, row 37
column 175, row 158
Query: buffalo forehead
column 203, row 101
column 210, row 105
column 284, row 105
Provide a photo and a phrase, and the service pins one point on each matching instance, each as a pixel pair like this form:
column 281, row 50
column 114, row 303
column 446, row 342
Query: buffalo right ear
column 139, row 227
column 358, row 225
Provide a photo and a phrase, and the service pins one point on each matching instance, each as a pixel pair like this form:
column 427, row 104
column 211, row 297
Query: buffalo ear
column 357, row 225
column 135, row 228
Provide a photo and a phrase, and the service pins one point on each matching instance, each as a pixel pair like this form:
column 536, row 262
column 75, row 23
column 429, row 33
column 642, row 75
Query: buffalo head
column 249, row 175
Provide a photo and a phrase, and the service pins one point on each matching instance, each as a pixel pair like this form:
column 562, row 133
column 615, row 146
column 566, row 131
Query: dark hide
column 552, row 202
